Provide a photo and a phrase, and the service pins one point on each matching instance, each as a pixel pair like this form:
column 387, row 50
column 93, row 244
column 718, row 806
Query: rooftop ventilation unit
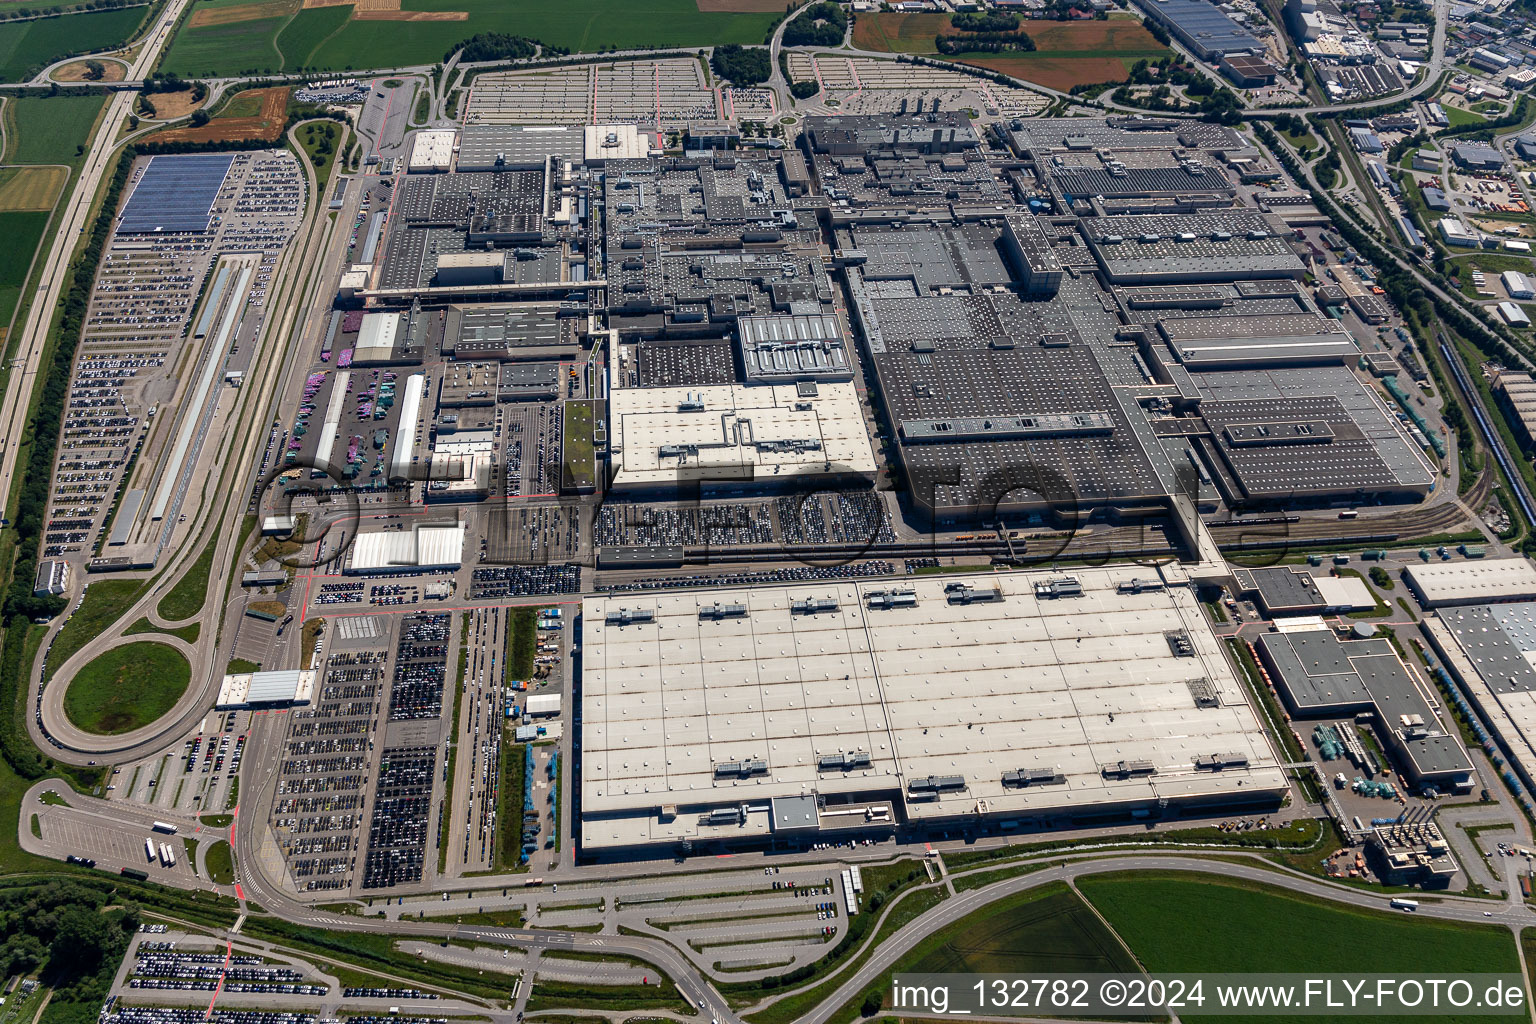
column 1128, row 769
column 1033, row 777
column 1066, row 586
column 901, row 598
column 813, row 606
column 933, row 786
column 1216, row 762
column 741, row 769
column 723, row 816
column 723, row 611
column 962, row 594
column 845, row 762
column 628, row 616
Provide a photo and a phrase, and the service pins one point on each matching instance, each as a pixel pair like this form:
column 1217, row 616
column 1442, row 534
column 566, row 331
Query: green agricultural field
column 302, row 37
column 1180, row 922
column 22, row 232
column 326, row 40
column 1045, row 929
column 243, row 46
column 28, row 46
column 126, row 688
column 49, row 129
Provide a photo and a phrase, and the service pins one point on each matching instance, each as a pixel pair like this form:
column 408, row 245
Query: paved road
column 292, row 291
column 874, row 970
column 72, row 224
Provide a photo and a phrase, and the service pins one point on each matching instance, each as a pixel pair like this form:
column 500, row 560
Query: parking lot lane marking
column 228, row 949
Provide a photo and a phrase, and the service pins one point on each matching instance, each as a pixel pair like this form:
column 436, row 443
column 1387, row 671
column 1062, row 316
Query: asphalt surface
column 72, row 224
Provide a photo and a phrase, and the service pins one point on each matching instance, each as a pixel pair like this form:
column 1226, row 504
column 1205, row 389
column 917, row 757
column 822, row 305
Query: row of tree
column 820, row 24
column 744, row 66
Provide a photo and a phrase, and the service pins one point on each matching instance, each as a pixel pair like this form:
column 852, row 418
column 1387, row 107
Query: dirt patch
column 1060, row 73
column 361, row 15
column 111, row 71
column 173, row 104
column 31, row 188
column 740, row 6
column 266, row 126
column 205, row 16
column 1099, row 38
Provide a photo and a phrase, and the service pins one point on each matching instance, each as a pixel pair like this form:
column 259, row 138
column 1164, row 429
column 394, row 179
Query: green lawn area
column 325, row 39
column 319, row 141
column 522, row 643
column 1458, row 117
column 1180, row 922
column 28, row 46
column 48, row 129
column 308, row 31
column 104, row 603
column 126, row 688
column 242, row 46
column 1302, row 139
column 187, row 597
column 189, row 633
column 221, row 864
column 578, row 469
column 563, row 995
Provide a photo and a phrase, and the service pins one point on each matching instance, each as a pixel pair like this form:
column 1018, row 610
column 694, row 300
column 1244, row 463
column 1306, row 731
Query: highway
column 232, row 468
column 16, row 403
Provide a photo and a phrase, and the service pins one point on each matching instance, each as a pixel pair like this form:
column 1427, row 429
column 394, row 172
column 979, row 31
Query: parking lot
column 651, row 93
column 136, row 357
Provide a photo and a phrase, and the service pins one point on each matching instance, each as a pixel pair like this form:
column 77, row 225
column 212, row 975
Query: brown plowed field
column 266, row 126
column 254, row 11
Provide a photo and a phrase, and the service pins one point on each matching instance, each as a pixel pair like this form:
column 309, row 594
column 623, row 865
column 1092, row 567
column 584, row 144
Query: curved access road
column 250, row 837
column 293, row 292
column 71, row 224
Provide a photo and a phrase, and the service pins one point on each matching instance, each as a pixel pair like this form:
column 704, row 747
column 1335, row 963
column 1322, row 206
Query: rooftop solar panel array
column 175, row 194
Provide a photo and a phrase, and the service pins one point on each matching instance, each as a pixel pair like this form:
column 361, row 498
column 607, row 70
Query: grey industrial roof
column 1498, row 639
column 480, row 145
column 1282, row 589
column 1322, row 675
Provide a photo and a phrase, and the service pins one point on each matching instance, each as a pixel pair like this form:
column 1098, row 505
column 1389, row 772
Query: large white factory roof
column 266, row 689
column 432, row 150
column 723, row 432
column 722, row 699
column 419, row 548
column 1473, row 581
column 614, row 142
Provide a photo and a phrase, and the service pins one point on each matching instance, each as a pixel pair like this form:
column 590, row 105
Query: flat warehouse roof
column 1473, row 582
column 725, row 432
column 679, row 694
column 420, row 547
